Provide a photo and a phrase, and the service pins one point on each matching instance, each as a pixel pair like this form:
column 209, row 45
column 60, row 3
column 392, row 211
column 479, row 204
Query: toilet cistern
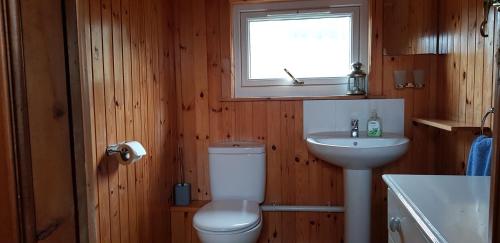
column 237, row 181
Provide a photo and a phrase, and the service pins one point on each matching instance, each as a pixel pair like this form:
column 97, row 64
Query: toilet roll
column 130, row 151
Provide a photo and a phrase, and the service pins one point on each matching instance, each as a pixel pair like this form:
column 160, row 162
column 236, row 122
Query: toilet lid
column 227, row 215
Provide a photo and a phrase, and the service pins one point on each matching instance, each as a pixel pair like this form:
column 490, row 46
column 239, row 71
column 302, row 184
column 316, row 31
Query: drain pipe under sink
column 298, row 208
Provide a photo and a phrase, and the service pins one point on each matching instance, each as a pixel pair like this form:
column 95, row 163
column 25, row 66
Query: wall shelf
column 193, row 207
column 447, row 125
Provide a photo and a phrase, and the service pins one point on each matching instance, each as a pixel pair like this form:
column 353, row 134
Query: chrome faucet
column 354, row 128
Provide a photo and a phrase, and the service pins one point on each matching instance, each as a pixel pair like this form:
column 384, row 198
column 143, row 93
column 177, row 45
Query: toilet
column 237, row 181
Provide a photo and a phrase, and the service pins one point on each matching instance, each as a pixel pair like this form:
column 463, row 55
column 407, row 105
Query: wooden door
column 35, row 133
column 49, row 120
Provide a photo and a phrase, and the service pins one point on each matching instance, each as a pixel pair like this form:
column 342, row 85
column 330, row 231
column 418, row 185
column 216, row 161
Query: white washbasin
column 361, row 153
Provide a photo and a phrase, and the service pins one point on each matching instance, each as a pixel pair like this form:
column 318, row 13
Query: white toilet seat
column 228, row 216
column 249, row 236
column 228, row 221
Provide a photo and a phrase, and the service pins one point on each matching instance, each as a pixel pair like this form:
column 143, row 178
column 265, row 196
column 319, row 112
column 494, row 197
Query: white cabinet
column 401, row 226
column 440, row 209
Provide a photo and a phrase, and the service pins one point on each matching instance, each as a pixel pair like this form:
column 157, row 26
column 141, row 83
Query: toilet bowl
column 237, row 182
column 229, row 221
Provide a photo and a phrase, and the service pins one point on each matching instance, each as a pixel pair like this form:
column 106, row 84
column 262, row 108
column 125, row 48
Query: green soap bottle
column 374, row 125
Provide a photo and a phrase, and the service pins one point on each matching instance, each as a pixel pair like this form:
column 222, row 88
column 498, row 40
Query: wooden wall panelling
column 462, row 73
column 465, row 78
column 226, row 53
column 157, row 179
column 288, row 171
column 133, row 182
column 85, row 43
column 376, row 46
column 448, row 20
column 169, row 120
column 185, row 83
column 8, row 206
column 454, row 60
column 141, row 119
column 111, row 118
column 99, row 123
column 133, row 98
column 461, row 78
column 163, row 184
column 127, row 177
column 151, row 111
column 478, row 70
column 471, row 35
column 302, row 181
column 148, row 132
column 119, row 104
column 184, row 231
column 214, row 73
column 172, row 123
column 425, row 105
column 145, row 231
column 489, row 66
column 201, row 105
column 274, row 182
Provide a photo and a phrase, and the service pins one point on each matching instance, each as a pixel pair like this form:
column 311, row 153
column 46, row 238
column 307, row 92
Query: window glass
column 308, row 46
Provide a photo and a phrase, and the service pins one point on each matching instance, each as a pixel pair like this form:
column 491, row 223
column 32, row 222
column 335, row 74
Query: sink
column 358, row 156
column 340, row 149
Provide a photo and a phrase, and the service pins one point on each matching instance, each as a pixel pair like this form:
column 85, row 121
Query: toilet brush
column 182, row 192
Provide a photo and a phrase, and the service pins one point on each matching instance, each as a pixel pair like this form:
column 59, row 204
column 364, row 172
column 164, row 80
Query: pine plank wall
column 128, row 51
column 175, row 56
column 466, row 67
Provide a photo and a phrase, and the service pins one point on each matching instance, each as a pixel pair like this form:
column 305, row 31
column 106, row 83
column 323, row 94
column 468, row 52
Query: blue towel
column 480, row 157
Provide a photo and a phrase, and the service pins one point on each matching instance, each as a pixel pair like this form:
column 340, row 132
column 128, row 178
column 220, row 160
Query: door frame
column 494, row 219
column 19, row 121
column 79, row 92
column 81, row 143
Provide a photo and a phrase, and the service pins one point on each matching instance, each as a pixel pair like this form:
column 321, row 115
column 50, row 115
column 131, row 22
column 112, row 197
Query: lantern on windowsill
column 356, row 80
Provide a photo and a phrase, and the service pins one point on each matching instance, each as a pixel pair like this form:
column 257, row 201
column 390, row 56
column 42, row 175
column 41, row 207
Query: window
column 316, row 41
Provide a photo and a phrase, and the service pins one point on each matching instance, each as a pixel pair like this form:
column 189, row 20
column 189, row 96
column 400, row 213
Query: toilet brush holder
column 182, row 194
column 182, row 191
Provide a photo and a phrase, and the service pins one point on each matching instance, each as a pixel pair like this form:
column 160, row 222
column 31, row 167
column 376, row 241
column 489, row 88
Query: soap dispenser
column 374, row 125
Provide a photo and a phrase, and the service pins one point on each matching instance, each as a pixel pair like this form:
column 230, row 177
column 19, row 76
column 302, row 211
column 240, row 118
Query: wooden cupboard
column 410, row 27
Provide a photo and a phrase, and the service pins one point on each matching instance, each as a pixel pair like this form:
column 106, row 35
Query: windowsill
column 340, row 97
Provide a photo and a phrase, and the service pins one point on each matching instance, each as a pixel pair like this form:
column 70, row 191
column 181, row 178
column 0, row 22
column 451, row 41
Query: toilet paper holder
column 130, row 151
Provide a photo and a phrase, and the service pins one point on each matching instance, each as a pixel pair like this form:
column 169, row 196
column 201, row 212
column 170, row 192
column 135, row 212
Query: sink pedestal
column 357, row 194
column 357, row 156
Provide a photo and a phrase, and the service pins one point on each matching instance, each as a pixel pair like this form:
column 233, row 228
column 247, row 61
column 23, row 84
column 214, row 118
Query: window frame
column 313, row 87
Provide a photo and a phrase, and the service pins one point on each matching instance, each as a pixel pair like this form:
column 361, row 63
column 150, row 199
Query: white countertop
column 447, row 208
